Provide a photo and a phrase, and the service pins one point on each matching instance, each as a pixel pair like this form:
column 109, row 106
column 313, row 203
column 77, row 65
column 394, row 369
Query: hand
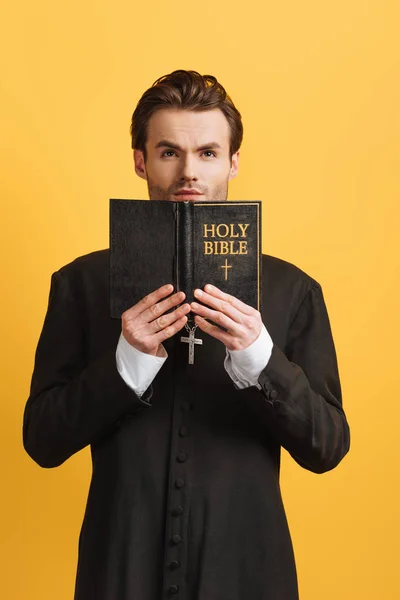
column 144, row 325
column 242, row 322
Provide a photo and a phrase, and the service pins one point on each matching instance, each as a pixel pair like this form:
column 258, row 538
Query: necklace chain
column 189, row 329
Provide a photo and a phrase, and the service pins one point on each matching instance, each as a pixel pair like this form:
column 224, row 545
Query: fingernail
column 209, row 286
column 198, row 292
column 195, row 305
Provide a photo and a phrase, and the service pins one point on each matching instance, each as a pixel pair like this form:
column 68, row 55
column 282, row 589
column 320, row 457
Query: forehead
column 188, row 126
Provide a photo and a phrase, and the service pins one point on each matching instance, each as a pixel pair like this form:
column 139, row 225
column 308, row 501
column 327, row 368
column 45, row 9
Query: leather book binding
column 188, row 244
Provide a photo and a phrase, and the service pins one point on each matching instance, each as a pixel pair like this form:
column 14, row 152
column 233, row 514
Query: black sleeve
column 302, row 391
column 72, row 403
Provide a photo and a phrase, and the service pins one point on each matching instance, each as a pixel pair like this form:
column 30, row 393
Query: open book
column 188, row 244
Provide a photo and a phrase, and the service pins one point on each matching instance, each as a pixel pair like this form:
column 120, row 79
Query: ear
column 140, row 167
column 235, row 165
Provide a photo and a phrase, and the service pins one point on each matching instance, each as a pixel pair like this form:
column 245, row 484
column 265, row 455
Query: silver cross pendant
column 191, row 340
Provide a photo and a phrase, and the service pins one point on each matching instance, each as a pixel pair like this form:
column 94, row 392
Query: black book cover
column 188, row 244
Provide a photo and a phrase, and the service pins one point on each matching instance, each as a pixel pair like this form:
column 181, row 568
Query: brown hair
column 187, row 90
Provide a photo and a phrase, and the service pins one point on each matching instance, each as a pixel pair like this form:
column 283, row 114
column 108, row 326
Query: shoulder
column 279, row 270
column 285, row 284
column 86, row 275
column 93, row 263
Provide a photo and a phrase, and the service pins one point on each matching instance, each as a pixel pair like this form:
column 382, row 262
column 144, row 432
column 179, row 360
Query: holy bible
column 188, row 244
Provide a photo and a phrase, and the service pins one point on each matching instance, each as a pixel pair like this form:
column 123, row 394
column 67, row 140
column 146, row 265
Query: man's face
column 187, row 151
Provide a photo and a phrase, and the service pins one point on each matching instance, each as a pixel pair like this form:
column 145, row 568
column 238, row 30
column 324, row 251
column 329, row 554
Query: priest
column 184, row 500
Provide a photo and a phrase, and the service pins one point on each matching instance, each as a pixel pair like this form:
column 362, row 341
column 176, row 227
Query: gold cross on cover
column 226, row 267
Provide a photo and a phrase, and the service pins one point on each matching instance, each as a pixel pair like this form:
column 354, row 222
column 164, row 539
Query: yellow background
column 317, row 84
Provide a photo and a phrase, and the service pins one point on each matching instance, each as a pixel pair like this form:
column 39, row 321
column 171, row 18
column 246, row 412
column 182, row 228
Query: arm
column 300, row 391
column 74, row 403
column 71, row 403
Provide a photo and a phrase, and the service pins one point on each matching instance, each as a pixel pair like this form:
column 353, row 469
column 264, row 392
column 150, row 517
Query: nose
column 188, row 169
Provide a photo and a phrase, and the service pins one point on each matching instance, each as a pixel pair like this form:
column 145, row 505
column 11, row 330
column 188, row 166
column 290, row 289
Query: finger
column 227, row 305
column 232, row 300
column 169, row 331
column 148, row 301
column 214, row 331
column 156, row 310
column 219, row 318
column 165, row 320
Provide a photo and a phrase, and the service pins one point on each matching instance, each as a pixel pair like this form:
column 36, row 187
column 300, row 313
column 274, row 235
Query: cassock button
column 183, row 432
column 177, row 511
column 179, row 483
column 174, row 564
column 173, row 589
column 186, row 406
column 182, row 457
column 176, row 538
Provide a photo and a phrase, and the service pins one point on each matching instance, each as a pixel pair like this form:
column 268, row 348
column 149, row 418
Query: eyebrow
column 167, row 144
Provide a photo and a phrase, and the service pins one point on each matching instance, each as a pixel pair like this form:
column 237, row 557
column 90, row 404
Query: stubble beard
column 219, row 193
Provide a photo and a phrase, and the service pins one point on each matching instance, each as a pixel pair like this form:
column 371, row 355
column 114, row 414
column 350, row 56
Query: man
column 184, row 500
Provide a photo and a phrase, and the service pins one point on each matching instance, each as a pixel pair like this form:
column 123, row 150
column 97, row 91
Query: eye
column 168, row 151
column 210, row 152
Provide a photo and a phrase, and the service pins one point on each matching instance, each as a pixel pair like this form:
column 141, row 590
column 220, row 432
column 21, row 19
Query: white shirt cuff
column 244, row 366
column 137, row 368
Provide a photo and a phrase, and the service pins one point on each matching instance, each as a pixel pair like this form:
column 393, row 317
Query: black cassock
column 184, row 500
